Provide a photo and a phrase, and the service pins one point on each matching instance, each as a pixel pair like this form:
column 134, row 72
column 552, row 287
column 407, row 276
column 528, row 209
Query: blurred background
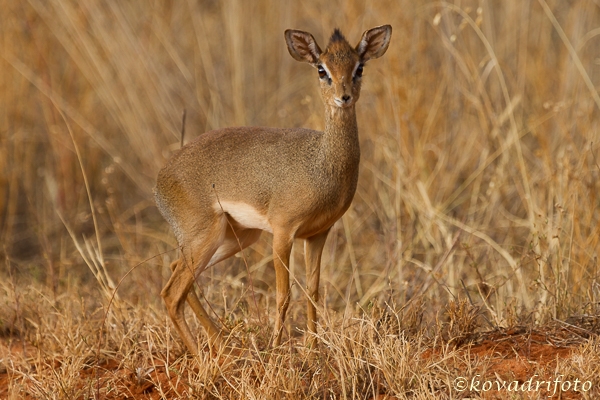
column 479, row 135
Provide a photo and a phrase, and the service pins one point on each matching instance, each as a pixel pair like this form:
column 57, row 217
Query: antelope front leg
column 313, row 248
column 282, row 247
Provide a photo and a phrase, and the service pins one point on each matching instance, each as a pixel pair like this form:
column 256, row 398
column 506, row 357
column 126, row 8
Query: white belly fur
column 245, row 215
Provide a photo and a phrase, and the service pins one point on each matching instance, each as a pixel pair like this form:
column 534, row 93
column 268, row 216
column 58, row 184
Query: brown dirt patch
column 517, row 353
column 514, row 356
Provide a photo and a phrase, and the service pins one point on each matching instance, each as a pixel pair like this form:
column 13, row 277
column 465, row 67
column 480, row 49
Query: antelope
column 223, row 189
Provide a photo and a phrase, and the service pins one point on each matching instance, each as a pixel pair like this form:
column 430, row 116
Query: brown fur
column 232, row 183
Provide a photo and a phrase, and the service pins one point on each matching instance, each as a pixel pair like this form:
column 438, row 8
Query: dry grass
column 479, row 180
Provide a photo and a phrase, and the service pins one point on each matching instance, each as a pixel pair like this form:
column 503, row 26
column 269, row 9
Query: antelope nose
column 345, row 98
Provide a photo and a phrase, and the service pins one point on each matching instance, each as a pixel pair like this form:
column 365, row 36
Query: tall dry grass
column 479, row 135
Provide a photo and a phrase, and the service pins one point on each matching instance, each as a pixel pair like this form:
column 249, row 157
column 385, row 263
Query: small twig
column 422, row 289
column 473, row 304
column 590, row 333
column 594, row 155
column 183, row 126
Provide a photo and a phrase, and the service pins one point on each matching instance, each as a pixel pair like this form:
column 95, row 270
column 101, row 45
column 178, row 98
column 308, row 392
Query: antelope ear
column 302, row 46
column 374, row 42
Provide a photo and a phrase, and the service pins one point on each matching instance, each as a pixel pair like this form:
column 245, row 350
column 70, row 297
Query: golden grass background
column 479, row 170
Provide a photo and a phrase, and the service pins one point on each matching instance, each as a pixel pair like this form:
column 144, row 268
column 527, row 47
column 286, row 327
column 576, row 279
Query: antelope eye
column 322, row 72
column 359, row 71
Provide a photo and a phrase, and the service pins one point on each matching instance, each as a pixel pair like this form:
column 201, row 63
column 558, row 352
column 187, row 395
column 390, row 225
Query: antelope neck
column 341, row 129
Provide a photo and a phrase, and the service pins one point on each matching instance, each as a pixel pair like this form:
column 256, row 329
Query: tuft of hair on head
column 337, row 36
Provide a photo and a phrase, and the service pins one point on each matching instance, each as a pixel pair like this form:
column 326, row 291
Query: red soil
column 514, row 357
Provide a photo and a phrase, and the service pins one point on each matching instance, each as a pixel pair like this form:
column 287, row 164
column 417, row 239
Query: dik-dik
column 222, row 190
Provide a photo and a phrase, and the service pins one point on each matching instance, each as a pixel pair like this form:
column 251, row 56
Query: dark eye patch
column 359, row 71
column 322, row 72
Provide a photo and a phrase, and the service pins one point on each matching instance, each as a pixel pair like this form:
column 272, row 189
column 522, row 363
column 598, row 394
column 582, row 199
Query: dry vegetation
column 472, row 240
